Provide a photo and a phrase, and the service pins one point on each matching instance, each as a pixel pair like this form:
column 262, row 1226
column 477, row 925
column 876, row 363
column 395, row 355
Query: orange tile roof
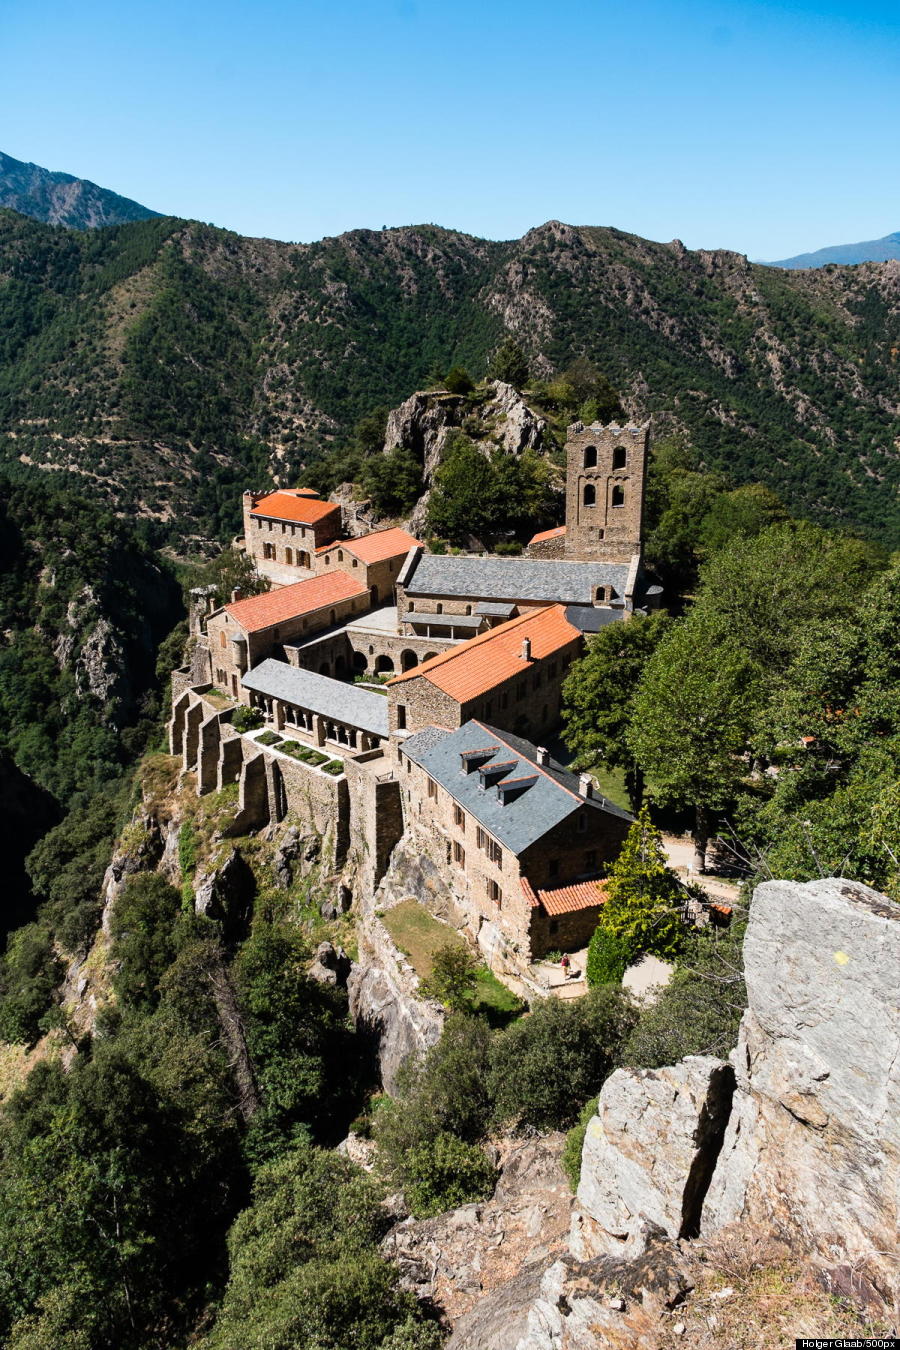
column 547, row 534
column 566, row 899
column 289, row 505
column 288, row 602
column 490, row 659
column 381, row 544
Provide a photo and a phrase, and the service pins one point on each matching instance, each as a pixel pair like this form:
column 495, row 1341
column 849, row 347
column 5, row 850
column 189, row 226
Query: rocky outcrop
column 384, row 1004
column 226, row 894
column 649, row 1154
column 812, row 1150
column 331, row 966
column 423, row 423
column 571, row 1305
column 457, row 1257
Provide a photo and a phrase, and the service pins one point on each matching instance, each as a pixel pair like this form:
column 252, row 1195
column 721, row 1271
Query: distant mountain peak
column 870, row 250
column 61, row 199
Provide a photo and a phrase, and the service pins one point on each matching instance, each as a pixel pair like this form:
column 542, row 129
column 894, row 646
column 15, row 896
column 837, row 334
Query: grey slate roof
column 516, row 824
column 446, row 620
column 591, row 618
column 494, row 610
column 567, row 583
column 317, row 693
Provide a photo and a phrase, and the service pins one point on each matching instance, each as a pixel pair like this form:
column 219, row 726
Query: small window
column 582, row 823
column 600, row 595
column 459, row 817
column 480, row 837
column 223, row 640
column 601, row 534
column 468, row 609
column 590, row 457
column 459, row 854
column 589, row 495
column 340, row 555
column 495, row 852
column 432, row 789
column 356, row 562
column 412, row 605
column 495, row 893
column 620, row 457
column 439, row 608
column 618, row 495
column 289, row 557
column 331, row 616
column 401, row 717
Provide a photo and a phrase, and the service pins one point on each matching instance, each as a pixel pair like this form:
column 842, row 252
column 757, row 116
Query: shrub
column 572, row 1150
column 458, row 381
column 29, row 974
column 269, row 738
column 246, row 719
column 609, row 956
column 143, row 933
column 546, row 1066
column 446, row 1172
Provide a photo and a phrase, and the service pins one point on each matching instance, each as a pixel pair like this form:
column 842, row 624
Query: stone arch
column 429, row 656
column 590, row 456
column 618, row 495
column 384, row 665
column 408, row 660
column 373, row 592
column 589, row 495
column 340, row 667
column 325, row 668
column 359, row 661
column 620, row 457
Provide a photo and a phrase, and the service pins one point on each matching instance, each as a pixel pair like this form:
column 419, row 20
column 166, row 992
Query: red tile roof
column 294, row 505
column 547, row 534
column 381, row 544
column 289, row 602
column 566, row 899
column 492, row 658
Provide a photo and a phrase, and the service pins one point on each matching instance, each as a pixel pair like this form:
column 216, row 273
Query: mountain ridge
column 846, row 255
column 167, row 363
column 58, row 198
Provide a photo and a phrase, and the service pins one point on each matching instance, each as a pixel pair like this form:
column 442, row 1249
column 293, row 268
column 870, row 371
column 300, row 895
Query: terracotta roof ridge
column 443, row 658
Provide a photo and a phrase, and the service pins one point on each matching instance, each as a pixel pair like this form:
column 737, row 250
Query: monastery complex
column 394, row 696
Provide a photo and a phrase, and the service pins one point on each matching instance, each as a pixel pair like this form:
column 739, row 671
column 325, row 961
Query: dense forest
column 167, row 363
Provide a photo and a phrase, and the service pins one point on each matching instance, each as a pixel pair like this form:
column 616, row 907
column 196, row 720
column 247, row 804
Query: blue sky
column 768, row 128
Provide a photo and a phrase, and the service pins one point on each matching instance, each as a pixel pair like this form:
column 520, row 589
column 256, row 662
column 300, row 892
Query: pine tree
column 642, row 894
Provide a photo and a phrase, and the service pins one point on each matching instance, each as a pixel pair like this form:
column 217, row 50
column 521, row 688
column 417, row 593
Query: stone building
column 605, row 472
column 376, row 558
column 524, row 844
column 324, row 711
column 283, row 530
column 511, row 676
column 248, row 631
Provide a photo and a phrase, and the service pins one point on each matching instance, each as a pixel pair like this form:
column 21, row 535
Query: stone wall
column 605, row 470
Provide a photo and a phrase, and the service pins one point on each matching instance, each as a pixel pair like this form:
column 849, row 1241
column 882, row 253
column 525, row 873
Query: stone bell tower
column 605, row 471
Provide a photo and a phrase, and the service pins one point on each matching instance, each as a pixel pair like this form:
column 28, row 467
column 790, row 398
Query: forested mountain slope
column 166, row 364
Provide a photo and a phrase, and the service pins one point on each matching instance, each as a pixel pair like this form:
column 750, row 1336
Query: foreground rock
column 812, row 1149
column 649, row 1154
column 457, row 1257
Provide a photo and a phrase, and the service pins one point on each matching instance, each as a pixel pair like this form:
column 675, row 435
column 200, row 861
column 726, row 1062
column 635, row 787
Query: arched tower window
column 600, row 595
column 618, row 495
column 620, row 457
column 590, row 495
column 590, row 457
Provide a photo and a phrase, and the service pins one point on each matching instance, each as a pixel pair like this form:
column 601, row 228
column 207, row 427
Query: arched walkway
column 384, row 665
column 408, row 660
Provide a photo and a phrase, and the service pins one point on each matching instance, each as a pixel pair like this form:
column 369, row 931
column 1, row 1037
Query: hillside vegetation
column 165, row 364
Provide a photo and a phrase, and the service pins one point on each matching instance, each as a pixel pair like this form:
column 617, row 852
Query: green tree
column 598, row 693
column 546, row 1066
column 509, row 363
column 453, row 978
column 458, row 381
column 691, row 719
column 446, row 1172
column 143, row 933
column 643, row 895
column 392, row 480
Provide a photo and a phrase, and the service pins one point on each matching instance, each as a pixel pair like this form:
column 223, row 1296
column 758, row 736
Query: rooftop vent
column 526, row 649
column 586, row 785
column 236, row 594
column 543, row 755
column 491, row 772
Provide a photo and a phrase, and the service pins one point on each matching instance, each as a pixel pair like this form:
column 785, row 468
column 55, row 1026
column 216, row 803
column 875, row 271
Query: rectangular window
column 401, row 716
column 495, row 893
column 582, row 823
column 459, row 817
column 432, row 789
column 480, row 837
column 495, row 852
column 459, row 854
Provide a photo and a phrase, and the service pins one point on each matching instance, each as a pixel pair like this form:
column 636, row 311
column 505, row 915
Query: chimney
column 586, row 785
column 236, row 594
column 526, row 649
column 543, row 755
